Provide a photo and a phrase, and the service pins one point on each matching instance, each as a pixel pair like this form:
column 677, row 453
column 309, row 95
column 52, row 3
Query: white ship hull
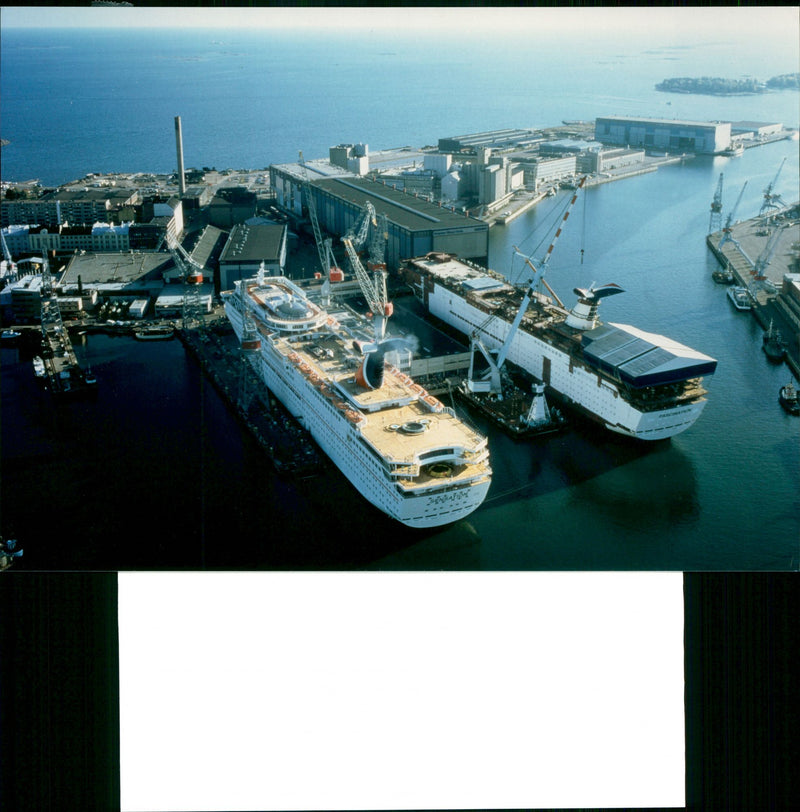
column 578, row 386
column 340, row 439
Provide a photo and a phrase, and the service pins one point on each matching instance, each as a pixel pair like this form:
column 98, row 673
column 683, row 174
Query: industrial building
column 493, row 139
column 703, row 137
column 755, row 129
column 415, row 225
column 135, row 275
column 352, row 157
column 247, row 248
column 170, row 302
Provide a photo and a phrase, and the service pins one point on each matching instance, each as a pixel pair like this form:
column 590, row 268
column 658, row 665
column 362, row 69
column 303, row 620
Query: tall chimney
column 179, row 145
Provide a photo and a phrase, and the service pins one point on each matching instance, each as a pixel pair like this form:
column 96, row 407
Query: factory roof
column 753, row 125
column 206, row 245
column 400, row 208
column 315, row 169
column 254, row 243
column 89, row 195
column 115, row 267
column 673, row 122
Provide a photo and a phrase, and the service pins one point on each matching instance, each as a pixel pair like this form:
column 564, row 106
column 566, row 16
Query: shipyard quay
column 367, row 340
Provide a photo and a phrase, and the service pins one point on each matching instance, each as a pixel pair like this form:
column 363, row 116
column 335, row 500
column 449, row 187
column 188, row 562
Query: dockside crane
column 490, row 379
column 715, row 220
column 327, row 264
column 192, row 276
column 374, row 289
column 727, row 230
column 11, row 266
column 765, row 257
column 771, row 200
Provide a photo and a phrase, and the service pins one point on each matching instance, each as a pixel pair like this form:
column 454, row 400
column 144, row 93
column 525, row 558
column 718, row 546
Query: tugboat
column 740, row 297
column 787, row 397
column 773, row 344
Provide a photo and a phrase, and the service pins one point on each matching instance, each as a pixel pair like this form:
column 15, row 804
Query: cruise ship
column 637, row 384
column 403, row 450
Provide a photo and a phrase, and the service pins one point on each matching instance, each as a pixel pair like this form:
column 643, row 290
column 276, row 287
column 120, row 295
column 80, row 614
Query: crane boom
column 323, row 246
column 770, row 199
column 537, row 276
column 726, row 232
column 716, row 208
column 765, row 257
column 374, row 289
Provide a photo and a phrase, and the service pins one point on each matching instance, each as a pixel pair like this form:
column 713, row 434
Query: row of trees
column 715, row 85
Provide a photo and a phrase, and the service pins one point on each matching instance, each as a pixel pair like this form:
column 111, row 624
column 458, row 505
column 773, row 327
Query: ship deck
column 380, row 414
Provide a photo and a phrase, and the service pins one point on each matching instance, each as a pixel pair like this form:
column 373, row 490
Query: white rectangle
column 398, row 690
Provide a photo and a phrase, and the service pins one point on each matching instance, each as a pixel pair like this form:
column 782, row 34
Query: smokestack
column 179, row 145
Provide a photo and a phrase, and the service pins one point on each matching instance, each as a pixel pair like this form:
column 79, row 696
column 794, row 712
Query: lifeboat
column 431, row 401
column 417, row 389
column 353, row 417
column 253, row 343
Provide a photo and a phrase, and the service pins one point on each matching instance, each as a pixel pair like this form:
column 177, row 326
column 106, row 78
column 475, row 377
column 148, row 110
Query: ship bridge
column 643, row 359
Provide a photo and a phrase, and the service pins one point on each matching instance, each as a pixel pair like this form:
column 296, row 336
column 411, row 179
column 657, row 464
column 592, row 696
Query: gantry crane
column 715, row 220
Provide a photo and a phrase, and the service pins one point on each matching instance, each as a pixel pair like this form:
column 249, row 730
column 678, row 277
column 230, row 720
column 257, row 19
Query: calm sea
column 157, row 474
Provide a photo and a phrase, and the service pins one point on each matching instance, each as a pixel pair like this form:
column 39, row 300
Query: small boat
column 787, row 397
column 154, row 333
column 10, row 335
column 733, row 151
column 38, row 367
column 773, row 344
column 89, row 377
column 740, row 298
column 723, row 276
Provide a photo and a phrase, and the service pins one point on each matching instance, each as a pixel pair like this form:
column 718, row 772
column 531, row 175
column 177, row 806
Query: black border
column 59, row 691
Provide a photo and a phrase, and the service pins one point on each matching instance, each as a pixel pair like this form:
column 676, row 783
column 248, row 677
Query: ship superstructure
column 632, row 382
column 403, row 450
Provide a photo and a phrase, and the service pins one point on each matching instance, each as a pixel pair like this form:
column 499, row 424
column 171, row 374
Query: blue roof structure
column 643, row 359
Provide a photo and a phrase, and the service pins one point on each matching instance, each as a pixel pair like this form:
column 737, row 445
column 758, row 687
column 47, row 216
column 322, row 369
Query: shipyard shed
column 415, row 226
column 672, row 135
column 247, row 248
column 134, row 274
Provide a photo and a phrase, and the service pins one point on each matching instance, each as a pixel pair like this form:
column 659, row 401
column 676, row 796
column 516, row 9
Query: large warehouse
column 416, row 226
column 670, row 135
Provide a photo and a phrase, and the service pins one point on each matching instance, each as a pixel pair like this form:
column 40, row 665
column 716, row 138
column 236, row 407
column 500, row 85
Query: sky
column 759, row 23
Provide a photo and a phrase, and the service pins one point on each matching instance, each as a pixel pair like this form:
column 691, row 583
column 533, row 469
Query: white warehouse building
column 670, row 135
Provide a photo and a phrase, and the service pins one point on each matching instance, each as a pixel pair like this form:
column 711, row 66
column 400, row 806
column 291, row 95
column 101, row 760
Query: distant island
column 729, row 87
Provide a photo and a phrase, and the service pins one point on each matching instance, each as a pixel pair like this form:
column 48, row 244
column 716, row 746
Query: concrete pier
column 740, row 255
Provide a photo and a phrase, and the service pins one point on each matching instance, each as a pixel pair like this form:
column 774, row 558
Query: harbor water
column 156, row 472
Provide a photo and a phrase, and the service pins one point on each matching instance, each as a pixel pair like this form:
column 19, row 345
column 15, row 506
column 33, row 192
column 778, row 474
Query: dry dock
column 288, row 445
